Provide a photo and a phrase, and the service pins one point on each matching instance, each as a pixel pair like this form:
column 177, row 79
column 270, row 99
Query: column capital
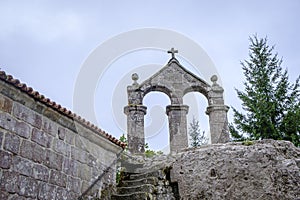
column 177, row 107
column 212, row 108
column 130, row 108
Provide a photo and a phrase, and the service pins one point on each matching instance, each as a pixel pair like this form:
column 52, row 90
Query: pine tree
column 270, row 102
column 197, row 138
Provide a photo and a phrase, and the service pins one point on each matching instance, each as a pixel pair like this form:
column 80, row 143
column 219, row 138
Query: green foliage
column 119, row 175
column 270, row 102
column 146, row 146
column 106, row 193
column 150, row 153
column 123, row 138
column 197, row 138
column 247, row 142
column 159, row 152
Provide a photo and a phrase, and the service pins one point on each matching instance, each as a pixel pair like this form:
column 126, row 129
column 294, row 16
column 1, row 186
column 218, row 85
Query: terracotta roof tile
column 46, row 101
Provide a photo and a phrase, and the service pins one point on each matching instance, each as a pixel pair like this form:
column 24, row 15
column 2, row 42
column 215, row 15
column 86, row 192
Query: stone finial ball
column 135, row 77
column 214, row 78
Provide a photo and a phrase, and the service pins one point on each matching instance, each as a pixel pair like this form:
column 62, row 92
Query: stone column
column 218, row 123
column 135, row 128
column 217, row 113
column 177, row 126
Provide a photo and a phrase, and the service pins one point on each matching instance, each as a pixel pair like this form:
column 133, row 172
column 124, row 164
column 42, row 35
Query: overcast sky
column 46, row 43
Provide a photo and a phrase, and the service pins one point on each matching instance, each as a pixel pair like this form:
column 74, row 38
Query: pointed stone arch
column 175, row 81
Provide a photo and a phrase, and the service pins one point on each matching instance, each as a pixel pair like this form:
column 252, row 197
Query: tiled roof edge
column 57, row 107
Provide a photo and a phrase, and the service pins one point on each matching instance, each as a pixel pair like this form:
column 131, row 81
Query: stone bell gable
column 175, row 81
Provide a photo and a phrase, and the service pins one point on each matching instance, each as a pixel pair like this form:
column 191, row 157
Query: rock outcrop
column 265, row 169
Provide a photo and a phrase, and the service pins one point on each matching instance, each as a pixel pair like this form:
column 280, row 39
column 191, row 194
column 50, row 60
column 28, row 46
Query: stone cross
column 173, row 51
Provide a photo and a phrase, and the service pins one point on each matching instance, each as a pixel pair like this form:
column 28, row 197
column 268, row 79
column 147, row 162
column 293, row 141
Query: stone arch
column 175, row 81
column 196, row 88
column 157, row 88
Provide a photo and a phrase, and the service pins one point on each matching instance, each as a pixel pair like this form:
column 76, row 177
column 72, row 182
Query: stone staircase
column 146, row 186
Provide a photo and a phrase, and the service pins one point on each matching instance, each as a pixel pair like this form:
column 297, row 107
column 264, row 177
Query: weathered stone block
column 81, row 143
column 22, row 129
column 12, row 125
column 3, row 195
column 85, row 186
column 73, row 184
column 28, row 187
column 61, row 133
column 91, row 192
column 18, row 197
column 64, row 194
column 12, row 143
column 27, row 115
column 26, row 149
column 58, row 178
column 47, row 191
column 5, row 161
column 1, row 138
column 97, row 170
column 53, row 160
column 71, row 167
column 70, row 137
column 85, row 172
column 49, row 127
column 9, row 181
column 40, row 172
column 67, row 122
column 5, row 104
column 41, row 138
column 32, row 151
column 79, row 155
column 66, row 135
column 51, row 114
column 22, row 166
column 91, row 160
column 7, row 122
column 61, row 147
column 38, row 153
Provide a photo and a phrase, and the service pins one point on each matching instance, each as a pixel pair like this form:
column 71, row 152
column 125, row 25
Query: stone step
column 146, row 188
column 147, row 180
column 159, row 174
column 133, row 196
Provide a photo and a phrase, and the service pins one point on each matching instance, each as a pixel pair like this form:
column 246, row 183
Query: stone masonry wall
column 46, row 155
